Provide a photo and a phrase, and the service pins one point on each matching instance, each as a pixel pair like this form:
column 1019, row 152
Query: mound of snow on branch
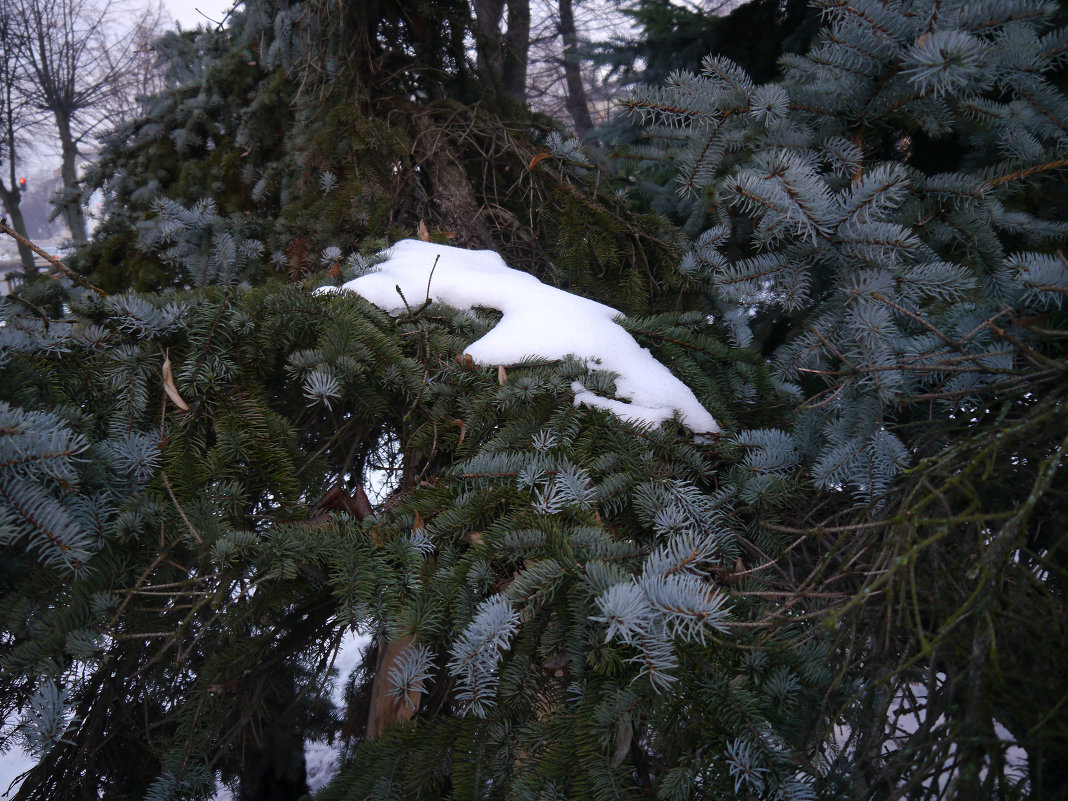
column 538, row 321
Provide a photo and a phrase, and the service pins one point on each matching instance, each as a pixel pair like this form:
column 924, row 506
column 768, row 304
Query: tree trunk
column 72, row 207
column 12, row 197
column 11, row 200
column 503, row 58
column 386, row 708
column 452, row 200
column 516, row 50
column 576, row 104
column 488, row 14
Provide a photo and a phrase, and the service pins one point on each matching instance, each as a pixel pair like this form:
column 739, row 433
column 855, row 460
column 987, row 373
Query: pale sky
column 185, row 11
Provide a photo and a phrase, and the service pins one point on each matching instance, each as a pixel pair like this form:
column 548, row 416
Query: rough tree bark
column 385, row 707
column 455, row 207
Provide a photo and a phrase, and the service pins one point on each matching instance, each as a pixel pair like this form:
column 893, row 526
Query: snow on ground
column 321, row 758
column 539, row 321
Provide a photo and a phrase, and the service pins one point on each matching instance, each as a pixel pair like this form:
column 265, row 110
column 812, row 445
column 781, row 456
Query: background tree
column 577, row 104
column 17, row 120
column 83, row 65
column 562, row 76
column 503, row 57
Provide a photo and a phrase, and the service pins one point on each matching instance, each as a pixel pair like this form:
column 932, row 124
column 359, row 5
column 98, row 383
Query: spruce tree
column 207, row 485
column 206, row 640
column 869, row 222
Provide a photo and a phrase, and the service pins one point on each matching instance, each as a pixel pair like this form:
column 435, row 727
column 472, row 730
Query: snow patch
column 538, row 321
column 322, row 759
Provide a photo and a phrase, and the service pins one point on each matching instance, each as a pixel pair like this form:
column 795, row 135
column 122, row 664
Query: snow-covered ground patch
column 538, row 321
column 321, row 758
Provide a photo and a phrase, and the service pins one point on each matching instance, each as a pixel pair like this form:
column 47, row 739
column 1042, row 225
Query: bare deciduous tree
column 84, row 63
column 562, row 83
column 17, row 119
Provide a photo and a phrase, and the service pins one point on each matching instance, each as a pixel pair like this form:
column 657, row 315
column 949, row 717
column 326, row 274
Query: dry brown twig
column 63, row 268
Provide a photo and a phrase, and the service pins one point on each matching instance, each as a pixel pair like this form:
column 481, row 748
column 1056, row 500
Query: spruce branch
column 181, row 511
column 1026, row 172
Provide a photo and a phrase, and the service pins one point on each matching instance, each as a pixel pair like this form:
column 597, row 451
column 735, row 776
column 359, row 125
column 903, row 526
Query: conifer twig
column 1019, row 175
column 33, row 307
column 63, row 268
column 178, row 506
column 1030, row 352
